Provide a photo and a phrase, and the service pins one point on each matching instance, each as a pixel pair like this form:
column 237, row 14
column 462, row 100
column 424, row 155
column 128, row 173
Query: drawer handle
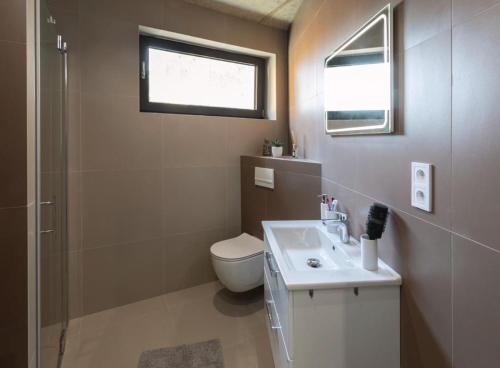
column 270, row 315
column 269, row 260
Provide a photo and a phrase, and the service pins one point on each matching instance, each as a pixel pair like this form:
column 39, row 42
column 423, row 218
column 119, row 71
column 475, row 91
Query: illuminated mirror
column 358, row 81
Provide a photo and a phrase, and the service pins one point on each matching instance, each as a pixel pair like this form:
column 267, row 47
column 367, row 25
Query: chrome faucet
column 340, row 226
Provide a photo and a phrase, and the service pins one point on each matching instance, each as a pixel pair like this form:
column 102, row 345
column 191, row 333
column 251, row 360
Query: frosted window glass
column 185, row 79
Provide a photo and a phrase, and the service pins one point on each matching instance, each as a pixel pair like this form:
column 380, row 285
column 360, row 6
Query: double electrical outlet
column 421, row 186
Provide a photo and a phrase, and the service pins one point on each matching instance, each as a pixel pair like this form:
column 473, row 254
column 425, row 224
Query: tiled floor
column 116, row 337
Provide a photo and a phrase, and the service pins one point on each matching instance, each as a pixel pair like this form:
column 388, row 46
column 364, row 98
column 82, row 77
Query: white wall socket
column 421, row 186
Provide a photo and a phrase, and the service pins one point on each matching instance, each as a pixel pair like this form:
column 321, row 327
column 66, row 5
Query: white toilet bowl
column 239, row 262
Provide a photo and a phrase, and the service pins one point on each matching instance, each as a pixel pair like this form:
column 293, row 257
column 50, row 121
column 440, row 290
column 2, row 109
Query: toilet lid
column 242, row 246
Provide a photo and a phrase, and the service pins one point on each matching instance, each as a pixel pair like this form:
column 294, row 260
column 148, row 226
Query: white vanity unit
column 323, row 309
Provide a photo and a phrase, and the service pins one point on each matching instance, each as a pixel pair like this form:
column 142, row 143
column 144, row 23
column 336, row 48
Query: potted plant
column 277, row 148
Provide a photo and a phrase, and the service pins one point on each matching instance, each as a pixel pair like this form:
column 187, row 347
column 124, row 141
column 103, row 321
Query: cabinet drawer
column 280, row 296
column 281, row 356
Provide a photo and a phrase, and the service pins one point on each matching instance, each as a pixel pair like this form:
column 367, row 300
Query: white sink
column 300, row 244
column 332, row 264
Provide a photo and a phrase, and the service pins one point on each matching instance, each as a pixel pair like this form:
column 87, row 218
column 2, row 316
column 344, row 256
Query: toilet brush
column 375, row 226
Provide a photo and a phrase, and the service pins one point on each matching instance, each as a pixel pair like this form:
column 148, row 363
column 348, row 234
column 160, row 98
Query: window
column 181, row 78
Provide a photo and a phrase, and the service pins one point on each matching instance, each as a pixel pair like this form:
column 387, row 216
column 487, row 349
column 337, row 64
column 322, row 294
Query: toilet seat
column 237, row 249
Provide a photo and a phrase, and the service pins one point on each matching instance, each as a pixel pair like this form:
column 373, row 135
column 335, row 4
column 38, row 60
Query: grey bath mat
column 206, row 354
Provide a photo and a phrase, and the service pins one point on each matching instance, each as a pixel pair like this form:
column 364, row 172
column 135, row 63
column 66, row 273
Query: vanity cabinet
column 355, row 327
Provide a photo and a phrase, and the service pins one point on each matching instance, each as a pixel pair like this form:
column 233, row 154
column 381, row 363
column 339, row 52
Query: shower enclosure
column 52, row 238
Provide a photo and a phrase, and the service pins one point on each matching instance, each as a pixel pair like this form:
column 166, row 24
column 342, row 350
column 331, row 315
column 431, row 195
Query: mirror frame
column 387, row 127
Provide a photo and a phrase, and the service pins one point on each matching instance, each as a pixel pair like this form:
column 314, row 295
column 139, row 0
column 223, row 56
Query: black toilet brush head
column 377, row 218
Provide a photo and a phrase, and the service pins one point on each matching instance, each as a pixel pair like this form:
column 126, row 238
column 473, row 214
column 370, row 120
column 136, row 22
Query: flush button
column 421, row 186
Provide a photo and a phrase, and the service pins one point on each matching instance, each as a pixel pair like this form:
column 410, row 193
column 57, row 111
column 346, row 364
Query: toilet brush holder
column 369, row 253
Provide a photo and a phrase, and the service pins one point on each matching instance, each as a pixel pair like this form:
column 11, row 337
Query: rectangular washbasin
column 292, row 245
column 304, row 248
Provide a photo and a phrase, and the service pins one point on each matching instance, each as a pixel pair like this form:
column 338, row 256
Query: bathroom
column 145, row 226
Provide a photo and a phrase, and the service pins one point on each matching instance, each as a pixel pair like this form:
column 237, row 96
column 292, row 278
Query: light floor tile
column 116, row 337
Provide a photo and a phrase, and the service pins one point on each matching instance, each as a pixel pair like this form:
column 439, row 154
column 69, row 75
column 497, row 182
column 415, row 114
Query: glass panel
column 52, row 241
column 184, row 79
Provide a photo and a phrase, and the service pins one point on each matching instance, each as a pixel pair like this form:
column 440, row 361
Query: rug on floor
column 207, row 354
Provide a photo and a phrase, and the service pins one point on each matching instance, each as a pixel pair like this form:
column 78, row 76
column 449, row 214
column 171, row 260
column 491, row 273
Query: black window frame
column 146, row 42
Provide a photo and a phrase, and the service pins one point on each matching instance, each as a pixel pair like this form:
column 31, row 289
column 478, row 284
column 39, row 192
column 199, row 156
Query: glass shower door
column 52, row 191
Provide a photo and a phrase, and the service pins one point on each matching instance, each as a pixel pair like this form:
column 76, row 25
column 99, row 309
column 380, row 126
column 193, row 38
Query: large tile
column 115, row 135
column 421, row 253
column 307, row 123
column 194, row 140
column 464, row 10
column 384, row 170
column 233, row 197
column 144, row 12
column 66, row 6
column 193, row 199
column 423, row 19
column 295, row 197
column 216, row 317
column 109, row 56
column 75, row 284
column 13, row 283
column 74, row 211
column 117, row 275
column 476, row 326
column 186, row 259
column 13, row 138
column 120, row 207
column 13, row 25
column 74, row 131
column 476, row 147
column 246, row 137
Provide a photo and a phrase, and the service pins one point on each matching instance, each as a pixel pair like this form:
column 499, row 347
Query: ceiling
column 274, row 13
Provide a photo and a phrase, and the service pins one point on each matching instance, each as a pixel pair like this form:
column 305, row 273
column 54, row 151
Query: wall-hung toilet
column 239, row 262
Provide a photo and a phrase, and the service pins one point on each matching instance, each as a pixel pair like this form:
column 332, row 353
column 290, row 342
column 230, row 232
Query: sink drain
column 313, row 263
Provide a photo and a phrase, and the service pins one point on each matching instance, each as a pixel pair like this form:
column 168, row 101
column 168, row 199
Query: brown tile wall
column 15, row 198
column 297, row 185
column 450, row 258
column 149, row 193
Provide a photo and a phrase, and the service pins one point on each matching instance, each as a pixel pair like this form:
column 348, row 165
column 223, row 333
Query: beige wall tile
column 13, row 287
column 246, row 136
column 109, row 56
column 145, row 12
column 122, row 274
column 13, row 138
column 423, row 19
column 476, row 296
column 233, row 197
column 194, row 140
column 186, row 259
column 74, row 211
column 194, row 199
column 115, row 135
column 463, row 10
column 13, row 26
column 75, row 284
column 120, row 207
column 476, row 148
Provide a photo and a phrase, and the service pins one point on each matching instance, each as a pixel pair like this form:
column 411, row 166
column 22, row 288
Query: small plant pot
column 277, row 151
column 369, row 253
